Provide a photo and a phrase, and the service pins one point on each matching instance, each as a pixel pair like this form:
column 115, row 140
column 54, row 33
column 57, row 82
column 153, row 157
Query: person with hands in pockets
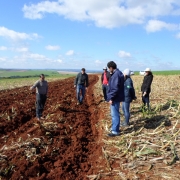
column 146, row 87
column 129, row 95
column 115, row 96
column 81, row 83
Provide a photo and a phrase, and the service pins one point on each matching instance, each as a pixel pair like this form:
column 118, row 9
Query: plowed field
column 62, row 146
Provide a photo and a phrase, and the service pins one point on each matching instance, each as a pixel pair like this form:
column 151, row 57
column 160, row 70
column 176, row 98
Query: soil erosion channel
column 63, row 146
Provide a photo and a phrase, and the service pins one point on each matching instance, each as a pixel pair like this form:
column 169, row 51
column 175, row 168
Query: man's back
column 116, row 86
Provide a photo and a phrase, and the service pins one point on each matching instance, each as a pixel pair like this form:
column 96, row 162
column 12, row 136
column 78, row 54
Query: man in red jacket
column 105, row 80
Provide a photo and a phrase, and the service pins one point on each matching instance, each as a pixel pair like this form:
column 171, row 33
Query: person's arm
column 132, row 91
column 108, row 75
column 102, row 75
column 114, row 89
column 76, row 80
column 47, row 89
column 87, row 81
column 35, row 85
column 148, row 83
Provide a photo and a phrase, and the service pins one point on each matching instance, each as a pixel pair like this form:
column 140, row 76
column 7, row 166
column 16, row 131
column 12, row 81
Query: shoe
column 80, row 102
column 124, row 125
column 42, row 118
column 38, row 119
column 112, row 135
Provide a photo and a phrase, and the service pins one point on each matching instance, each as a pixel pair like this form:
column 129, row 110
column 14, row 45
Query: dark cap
column 83, row 69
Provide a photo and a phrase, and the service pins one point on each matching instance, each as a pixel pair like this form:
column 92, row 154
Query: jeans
column 125, row 108
column 115, row 117
column 40, row 102
column 145, row 100
column 105, row 90
column 81, row 89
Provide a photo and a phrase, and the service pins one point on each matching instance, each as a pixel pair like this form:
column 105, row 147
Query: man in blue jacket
column 115, row 96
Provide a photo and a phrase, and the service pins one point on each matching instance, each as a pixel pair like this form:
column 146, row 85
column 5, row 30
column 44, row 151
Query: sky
column 71, row 34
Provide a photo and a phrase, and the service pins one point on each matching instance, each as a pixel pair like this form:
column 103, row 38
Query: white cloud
column 52, row 48
column 32, row 56
column 123, row 54
column 2, row 59
column 3, row 48
column 70, row 53
column 178, row 35
column 23, row 49
column 59, row 61
column 98, row 62
column 156, row 25
column 13, row 35
column 20, row 49
column 109, row 14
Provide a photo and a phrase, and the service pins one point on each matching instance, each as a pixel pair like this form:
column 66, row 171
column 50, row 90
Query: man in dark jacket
column 129, row 94
column 115, row 96
column 105, row 80
column 81, row 83
column 146, row 86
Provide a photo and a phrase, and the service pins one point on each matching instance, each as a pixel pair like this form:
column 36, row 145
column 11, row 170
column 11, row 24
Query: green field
column 30, row 73
column 12, row 79
column 172, row 72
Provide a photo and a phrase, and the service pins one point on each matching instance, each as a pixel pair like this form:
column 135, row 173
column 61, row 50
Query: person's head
column 83, row 70
column 112, row 66
column 104, row 69
column 42, row 77
column 147, row 71
column 127, row 73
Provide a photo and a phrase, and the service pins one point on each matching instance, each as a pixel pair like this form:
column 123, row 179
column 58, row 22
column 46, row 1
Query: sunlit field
column 13, row 79
column 150, row 146
column 148, row 149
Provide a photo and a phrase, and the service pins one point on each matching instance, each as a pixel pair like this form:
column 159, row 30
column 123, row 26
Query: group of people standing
column 117, row 87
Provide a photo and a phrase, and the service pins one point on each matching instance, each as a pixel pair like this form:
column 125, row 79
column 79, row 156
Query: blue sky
column 69, row 34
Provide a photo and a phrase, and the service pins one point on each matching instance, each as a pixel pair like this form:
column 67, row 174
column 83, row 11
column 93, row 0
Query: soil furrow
column 63, row 146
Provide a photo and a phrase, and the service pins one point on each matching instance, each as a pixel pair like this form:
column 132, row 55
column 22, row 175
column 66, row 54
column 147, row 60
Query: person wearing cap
column 41, row 87
column 146, row 87
column 105, row 79
column 115, row 95
column 81, row 84
column 129, row 94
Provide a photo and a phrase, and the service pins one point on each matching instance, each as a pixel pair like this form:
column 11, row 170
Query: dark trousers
column 105, row 91
column 145, row 100
column 40, row 102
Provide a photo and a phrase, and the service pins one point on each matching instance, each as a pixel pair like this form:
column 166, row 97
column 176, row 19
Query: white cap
column 147, row 69
column 104, row 67
column 127, row 72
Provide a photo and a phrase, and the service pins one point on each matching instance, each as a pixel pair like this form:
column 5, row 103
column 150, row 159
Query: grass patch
column 10, row 83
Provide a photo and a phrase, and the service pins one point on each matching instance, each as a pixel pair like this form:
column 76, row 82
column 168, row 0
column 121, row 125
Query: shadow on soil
column 148, row 123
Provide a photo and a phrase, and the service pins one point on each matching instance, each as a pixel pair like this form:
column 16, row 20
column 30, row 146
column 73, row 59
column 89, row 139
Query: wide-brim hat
column 147, row 70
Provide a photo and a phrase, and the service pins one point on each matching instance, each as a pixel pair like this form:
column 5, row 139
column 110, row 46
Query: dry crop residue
column 65, row 145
